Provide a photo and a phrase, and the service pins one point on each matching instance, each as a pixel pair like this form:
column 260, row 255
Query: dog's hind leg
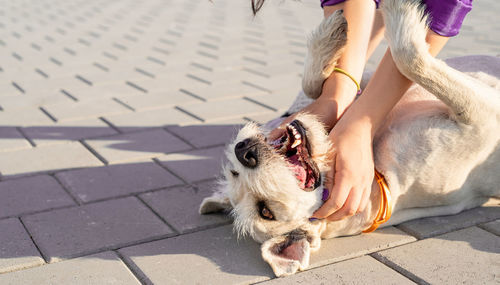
column 325, row 46
column 471, row 101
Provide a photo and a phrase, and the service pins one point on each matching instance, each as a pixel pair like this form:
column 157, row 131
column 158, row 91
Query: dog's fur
column 439, row 155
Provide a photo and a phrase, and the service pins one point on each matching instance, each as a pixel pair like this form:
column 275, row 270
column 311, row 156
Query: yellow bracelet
column 350, row 76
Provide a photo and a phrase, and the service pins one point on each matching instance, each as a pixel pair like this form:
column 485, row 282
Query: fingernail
column 313, row 219
column 326, row 194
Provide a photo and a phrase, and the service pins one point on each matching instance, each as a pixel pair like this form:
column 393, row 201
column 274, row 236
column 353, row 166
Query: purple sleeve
column 446, row 16
column 333, row 2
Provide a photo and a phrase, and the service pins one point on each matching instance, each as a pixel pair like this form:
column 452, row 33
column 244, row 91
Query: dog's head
column 272, row 188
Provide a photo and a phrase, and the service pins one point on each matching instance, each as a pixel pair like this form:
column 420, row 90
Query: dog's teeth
column 296, row 143
column 297, row 136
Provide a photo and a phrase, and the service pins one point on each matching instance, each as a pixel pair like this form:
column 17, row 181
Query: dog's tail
column 471, row 101
column 324, row 49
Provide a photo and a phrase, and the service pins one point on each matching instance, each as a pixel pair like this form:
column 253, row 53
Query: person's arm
column 352, row 137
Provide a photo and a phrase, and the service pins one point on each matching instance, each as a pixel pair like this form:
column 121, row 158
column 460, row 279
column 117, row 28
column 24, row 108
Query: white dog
column 439, row 156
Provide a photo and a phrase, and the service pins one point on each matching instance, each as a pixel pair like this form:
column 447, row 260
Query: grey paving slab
column 102, row 268
column 428, row 227
column 31, row 194
column 361, row 270
column 136, row 146
column 209, row 134
column 191, row 258
column 116, row 180
column 17, row 251
column 150, row 118
column 466, row 256
column 12, row 139
column 179, row 207
column 76, row 231
column 89, row 109
column 61, row 132
column 195, row 165
column 493, row 227
column 342, row 248
column 47, row 158
column 223, row 110
column 158, row 100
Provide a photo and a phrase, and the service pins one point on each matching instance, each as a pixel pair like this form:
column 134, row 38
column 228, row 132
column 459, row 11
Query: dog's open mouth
column 293, row 144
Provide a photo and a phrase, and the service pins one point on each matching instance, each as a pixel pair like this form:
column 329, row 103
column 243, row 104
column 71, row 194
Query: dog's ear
column 287, row 253
column 218, row 202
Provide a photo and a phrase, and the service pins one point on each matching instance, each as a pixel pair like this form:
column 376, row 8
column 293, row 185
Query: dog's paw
column 215, row 203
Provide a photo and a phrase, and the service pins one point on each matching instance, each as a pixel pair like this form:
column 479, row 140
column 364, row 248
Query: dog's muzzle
column 247, row 152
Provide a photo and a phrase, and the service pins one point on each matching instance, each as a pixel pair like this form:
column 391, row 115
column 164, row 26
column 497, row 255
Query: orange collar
column 385, row 208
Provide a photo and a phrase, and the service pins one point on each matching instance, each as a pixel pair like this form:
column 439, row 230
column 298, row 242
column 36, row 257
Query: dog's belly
column 429, row 160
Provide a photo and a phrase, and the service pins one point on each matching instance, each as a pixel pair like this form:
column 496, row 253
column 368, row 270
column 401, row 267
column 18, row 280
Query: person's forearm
column 386, row 88
column 338, row 87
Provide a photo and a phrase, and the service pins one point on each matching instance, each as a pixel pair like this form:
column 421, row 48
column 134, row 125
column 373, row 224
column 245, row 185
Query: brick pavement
column 113, row 117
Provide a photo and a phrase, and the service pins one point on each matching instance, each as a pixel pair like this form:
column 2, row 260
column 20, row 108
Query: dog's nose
column 247, row 153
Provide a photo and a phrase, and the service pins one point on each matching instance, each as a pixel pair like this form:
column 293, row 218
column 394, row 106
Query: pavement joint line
column 133, row 85
column 55, row 61
column 39, row 71
column 84, row 80
column 251, row 59
column 194, row 77
column 260, row 104
column 201, row 66
column 256, row 86
column 189, row 93
column 94, row 152
column 18, row 87
column 177, row 232
column 143, row 72
column 155, row 60
column 189, row 114
column 256, row 72
column 158, row 162
column 481, row 226
column 179, row 137
column 134, row 269
column 66, row 189
column 30, row 141
column 109, row 55
column 101, row 67
column 67, row 94
column 123, row 104
column 206, row 54
column 160, row 50
column 54, row 119
column 111, row 125
column 399, row 269
column 45, row 259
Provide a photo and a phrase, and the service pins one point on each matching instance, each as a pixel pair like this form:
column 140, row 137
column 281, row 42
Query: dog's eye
column 264, row 212
column 235, row 173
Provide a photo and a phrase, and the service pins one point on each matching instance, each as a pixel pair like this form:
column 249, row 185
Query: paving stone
column 342, row 248
column 27, row 117
column 192, row 257
column 31, row 194
column 466, row 256
column 47, row 158
column 77, row 231
column 179, row 207
column 493, row 227
column 102, row 268
column 11, row 139
column 135, row 146
column 361, row 270
column 98, row 183
column 87, row 109
column 195, row 165
column 209, row 134
column 17, row 251
column 428, row 227
column 223, row 110
column 150, row 118
column 61, row 132
column 158, row 100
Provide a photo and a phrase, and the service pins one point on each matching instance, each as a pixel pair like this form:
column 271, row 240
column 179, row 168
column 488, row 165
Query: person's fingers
column 350, row 207
column 338, row 196
column 365, row 199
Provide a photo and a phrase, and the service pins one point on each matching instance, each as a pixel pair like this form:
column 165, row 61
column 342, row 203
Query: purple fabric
column 446, row 16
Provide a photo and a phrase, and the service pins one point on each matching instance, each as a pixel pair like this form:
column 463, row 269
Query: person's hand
column 350, row 179
column 324, row 108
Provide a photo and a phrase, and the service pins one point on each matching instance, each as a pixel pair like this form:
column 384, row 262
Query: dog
column 438, row 152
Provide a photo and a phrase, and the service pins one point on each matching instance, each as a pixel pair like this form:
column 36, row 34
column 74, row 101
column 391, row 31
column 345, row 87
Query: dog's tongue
column 300, row 172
